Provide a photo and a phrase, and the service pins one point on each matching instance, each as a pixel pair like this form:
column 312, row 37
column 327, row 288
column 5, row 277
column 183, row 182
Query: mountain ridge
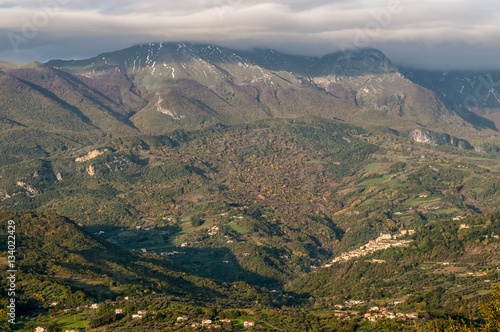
column 159, row 87
column 359, row 86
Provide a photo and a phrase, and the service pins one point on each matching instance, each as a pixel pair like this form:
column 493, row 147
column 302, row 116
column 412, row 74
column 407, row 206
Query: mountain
column 474, row 95
column 187, row 85
column 54, row 110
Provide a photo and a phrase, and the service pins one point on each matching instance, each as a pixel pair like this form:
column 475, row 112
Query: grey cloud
column 438, row 34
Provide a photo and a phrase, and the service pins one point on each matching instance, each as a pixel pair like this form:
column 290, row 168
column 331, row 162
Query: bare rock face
column 91, row 155
column 438, row 139
column 427, row 137
column 91, row 170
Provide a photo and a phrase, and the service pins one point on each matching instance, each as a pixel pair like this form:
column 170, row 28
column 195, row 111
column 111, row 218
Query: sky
column 429, row 34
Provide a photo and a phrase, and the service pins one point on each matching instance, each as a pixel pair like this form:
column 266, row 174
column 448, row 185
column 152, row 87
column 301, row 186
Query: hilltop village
column 384, row 241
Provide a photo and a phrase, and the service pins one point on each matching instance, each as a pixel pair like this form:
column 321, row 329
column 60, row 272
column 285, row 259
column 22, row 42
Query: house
column 182, row 318
column 226, row 321
column 40, row 329
column 374, row 309
column 142, row 312
column 401, row 316
column 412, row 315
column 54, row 304
column 70, row 329
column 136, row 316
column 195, row 325
column 385, row 236
column 94, row 306
column 126, row 298
column 214, row 327
column 206, row 322
column 213, row 231
column 118, row 311
column 249, row 323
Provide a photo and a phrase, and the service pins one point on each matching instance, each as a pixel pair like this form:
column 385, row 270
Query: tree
column 491, row 309
column 491, row 312
column 52, row 327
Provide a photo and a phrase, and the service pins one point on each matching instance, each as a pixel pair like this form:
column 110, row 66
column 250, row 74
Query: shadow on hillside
column 133, row 270
column 220, row 264
column 217, row 263
column 478, row 121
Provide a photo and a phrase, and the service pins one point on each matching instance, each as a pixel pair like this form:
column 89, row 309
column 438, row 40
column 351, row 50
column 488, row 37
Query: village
column 373, row 314
column 384, row 241
column 343, row 312
column 180, row 322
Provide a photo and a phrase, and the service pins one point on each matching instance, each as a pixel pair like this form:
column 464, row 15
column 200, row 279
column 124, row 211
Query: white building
column 249, row 323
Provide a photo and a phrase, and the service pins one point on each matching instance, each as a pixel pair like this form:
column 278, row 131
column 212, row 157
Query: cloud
column 425, row 33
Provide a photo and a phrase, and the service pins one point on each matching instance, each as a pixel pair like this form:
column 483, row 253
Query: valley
column 297, row 193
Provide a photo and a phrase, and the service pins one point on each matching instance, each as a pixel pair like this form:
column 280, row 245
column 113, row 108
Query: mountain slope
column 43, row 110
column 58, row 261
column 443, row 266
column 474, row 95
column 187, row 85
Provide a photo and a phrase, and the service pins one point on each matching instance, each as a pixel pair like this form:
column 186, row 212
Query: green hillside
column 58, row 262
column 194, row 180
column 268, row 200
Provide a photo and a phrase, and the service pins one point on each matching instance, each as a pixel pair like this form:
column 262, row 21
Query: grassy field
column 372, row 166
column 237, row 228
column 315, row 162
column 367, row 202
column 448, row 211
column 372, row 182
column 74, row 320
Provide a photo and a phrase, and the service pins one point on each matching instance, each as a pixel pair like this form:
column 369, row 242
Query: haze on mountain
column 442, row 34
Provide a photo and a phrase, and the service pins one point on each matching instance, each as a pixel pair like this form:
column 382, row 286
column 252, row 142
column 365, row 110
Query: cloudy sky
column 445, row 34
